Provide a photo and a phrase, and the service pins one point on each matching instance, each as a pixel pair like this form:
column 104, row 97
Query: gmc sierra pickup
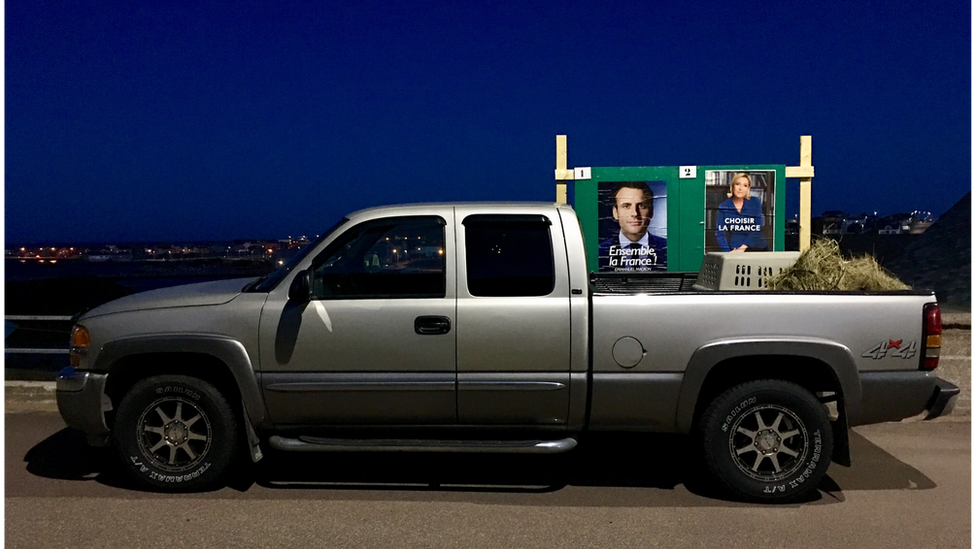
column 478, row 328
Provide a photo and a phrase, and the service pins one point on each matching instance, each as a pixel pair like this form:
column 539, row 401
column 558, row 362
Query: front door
column 376, row 344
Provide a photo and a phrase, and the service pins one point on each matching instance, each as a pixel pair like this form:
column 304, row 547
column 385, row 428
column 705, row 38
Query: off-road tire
column 175, row 433
column 767, row 440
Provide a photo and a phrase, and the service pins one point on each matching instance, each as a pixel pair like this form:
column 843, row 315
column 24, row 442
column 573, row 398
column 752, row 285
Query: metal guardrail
column 34, row 350
column 38, row 317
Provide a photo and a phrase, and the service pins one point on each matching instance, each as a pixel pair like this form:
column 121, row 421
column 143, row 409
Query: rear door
column 513, row 313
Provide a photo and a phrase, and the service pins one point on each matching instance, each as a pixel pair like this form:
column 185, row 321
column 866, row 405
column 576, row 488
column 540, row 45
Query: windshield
column 269, row 281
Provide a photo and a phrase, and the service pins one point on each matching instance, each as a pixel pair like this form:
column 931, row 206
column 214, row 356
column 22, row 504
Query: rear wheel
column 175, row 433
column 767, row 440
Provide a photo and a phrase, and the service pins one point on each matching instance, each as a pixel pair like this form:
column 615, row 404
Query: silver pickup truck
column 478, row 328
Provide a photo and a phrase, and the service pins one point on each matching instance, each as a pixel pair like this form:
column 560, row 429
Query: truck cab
column 431, row 316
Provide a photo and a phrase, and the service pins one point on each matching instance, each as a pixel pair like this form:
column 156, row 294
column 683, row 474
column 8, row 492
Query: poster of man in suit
column 633, row 226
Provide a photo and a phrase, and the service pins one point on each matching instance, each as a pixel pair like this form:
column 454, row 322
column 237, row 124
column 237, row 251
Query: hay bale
column 823, row 268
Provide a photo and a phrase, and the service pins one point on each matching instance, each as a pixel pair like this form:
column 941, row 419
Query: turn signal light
column 80, row 341
column 80, row 337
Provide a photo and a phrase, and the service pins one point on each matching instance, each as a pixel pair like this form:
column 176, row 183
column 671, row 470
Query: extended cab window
column 401, row 257
column 509, row 255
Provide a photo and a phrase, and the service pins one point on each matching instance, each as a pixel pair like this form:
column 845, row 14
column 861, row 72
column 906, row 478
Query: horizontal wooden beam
column 565, row 175
column 799, row 172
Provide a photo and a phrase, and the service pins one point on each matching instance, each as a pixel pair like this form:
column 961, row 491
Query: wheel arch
column 818, row 366
column 222, row 361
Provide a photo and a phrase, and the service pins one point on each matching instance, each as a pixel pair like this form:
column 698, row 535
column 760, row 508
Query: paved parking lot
column 909, row 487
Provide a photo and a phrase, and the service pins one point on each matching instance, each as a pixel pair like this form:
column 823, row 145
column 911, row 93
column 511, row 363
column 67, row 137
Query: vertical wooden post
column 804, row 172
column 806, row 148
column 561, row 169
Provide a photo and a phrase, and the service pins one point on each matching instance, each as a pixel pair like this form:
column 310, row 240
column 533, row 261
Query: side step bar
column 315, row 444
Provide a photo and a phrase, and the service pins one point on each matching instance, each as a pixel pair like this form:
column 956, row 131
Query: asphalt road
column 909, row 487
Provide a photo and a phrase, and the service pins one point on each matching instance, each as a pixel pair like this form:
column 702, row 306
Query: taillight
column 932, row 335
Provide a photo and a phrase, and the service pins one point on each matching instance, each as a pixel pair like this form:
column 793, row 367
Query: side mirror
column 300, row 290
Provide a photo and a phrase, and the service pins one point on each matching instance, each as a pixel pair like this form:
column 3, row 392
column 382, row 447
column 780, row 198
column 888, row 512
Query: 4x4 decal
column 892, row 348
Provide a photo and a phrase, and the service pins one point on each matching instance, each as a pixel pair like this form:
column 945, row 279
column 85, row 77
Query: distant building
column 899, row 223
column 838, row 223
column 861, row 223
column 833, row 222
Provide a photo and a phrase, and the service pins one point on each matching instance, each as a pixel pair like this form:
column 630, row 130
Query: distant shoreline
column 55, row 260
column 208, row 267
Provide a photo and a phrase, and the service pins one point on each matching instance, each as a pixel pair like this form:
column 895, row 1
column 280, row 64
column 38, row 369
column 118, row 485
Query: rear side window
column 509, row 255
column 399, row 257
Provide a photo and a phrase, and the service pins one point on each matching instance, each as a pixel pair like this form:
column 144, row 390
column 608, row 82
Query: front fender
column 836, row 356
column 229, row 351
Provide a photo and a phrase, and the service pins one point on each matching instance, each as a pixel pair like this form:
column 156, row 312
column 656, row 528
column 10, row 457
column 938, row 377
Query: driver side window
column 402, row 257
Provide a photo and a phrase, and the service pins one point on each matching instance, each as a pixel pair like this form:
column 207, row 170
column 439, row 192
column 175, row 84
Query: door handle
column 432, row 325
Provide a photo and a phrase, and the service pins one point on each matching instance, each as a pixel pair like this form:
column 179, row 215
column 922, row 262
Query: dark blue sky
column 191, row 120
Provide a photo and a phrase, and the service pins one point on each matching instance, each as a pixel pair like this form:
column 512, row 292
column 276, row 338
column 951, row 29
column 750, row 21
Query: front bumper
column 82, row 402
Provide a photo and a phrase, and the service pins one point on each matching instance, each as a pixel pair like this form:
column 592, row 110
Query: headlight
column 80, row 341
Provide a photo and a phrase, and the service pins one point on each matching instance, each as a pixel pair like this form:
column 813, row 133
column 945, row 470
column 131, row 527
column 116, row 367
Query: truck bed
column 641, row 283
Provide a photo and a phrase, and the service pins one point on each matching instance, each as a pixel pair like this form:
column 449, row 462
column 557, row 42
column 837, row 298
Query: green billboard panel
column 665, row 218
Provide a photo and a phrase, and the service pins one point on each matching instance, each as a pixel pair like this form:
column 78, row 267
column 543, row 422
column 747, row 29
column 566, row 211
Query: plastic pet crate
column 742, row 271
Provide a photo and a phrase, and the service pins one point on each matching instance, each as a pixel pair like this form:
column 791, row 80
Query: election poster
column 739, row 210
column 633, row 226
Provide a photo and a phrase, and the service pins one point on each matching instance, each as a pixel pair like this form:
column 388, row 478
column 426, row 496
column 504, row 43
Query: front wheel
column 767, row 440
column 175, row 433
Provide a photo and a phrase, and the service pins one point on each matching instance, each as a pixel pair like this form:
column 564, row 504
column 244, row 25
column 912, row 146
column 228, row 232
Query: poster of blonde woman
column 739, row 210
